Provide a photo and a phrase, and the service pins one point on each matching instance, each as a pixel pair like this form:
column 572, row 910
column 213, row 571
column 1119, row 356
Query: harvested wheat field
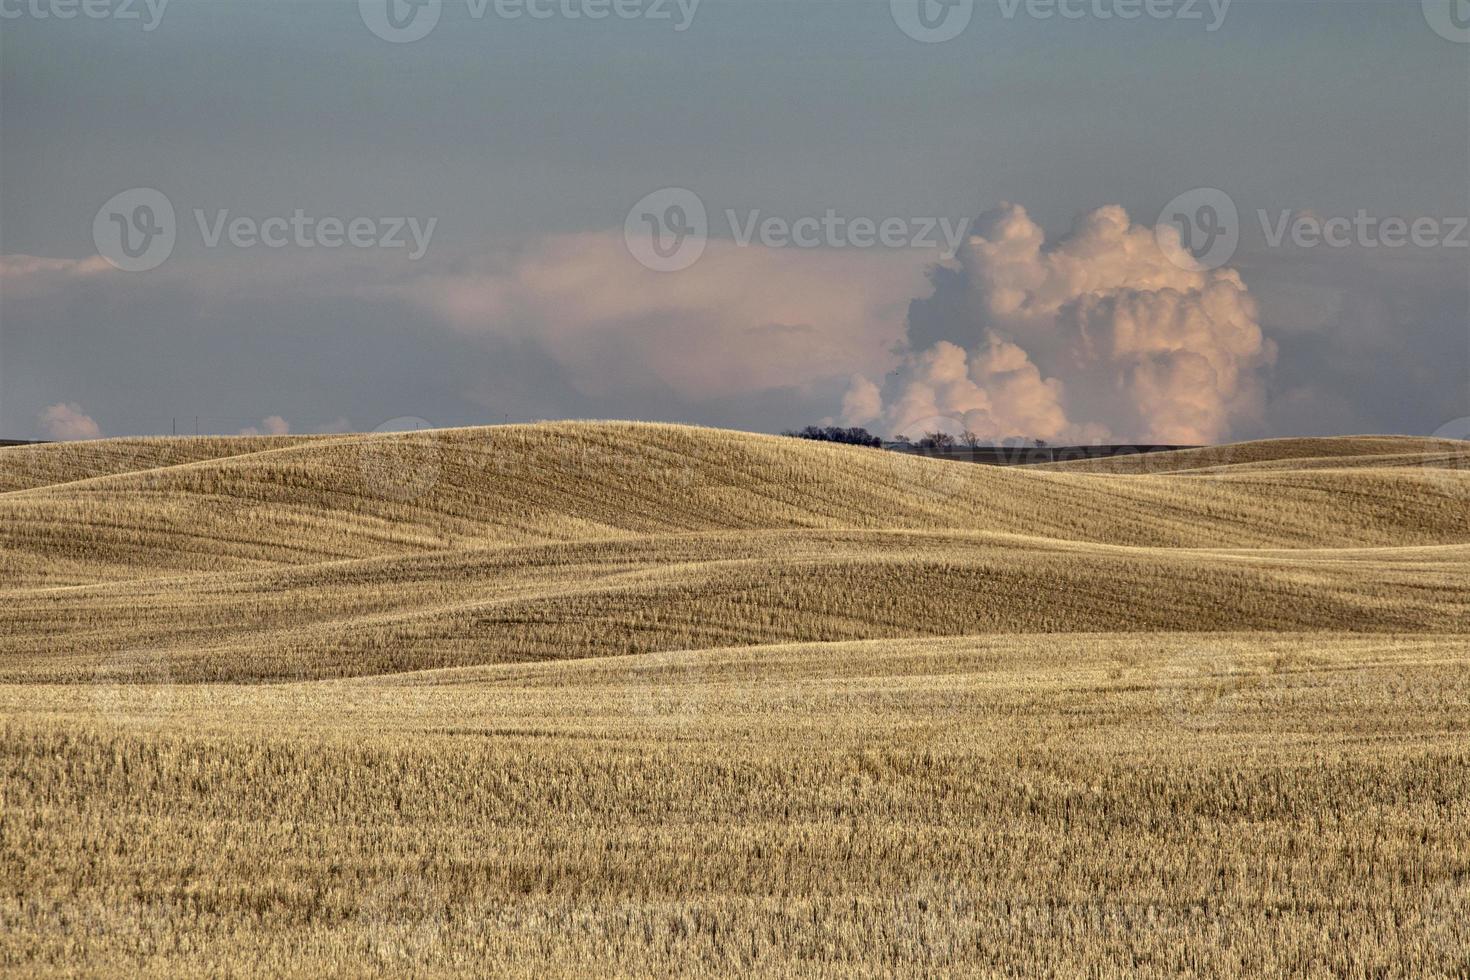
column 640, row 700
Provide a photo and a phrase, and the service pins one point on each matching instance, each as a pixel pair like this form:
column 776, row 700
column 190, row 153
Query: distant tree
column 970, row 438
column 853, row 436
column 937, row 440
column 1041, row 443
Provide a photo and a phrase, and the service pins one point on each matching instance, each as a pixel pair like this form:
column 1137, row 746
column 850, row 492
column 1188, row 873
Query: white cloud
column 271, row 425
column 66, row 420
column 1098, row 336
column 29, row 275
column 740, row 320
column 863, row 401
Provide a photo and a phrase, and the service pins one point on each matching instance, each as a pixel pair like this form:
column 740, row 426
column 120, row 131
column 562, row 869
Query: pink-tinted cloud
column 1098, row 336
column 271, row 425
column 740, row 320
column 29, row 275
column 66, row 420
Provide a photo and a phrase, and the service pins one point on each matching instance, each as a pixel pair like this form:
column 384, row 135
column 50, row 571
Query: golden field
column 638, row 700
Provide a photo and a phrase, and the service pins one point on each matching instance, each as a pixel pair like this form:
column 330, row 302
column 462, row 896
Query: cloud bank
column 66, row 420
column 271, row 425
column 740, row 320
column 29, row 275
column 1103, row 335
column 1093, row 335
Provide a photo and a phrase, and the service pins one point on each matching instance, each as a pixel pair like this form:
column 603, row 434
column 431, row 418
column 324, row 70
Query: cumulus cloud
column 66, row 420
column 1102, row 335
column 864, row 400
column 740, row 320
column 271, row 425
column 28, row 275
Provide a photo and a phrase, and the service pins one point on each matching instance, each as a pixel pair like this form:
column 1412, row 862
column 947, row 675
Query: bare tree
column 939, row 440
column 970, row 438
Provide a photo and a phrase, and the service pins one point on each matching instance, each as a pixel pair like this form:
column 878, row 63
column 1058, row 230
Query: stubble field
column 637, row 700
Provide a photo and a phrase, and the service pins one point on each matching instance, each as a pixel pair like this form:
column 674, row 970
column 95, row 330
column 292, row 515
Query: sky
column 1078, row 220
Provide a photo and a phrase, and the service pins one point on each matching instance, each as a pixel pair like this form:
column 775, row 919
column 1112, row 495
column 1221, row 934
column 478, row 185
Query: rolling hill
column 284, row 558
column 629, row 699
